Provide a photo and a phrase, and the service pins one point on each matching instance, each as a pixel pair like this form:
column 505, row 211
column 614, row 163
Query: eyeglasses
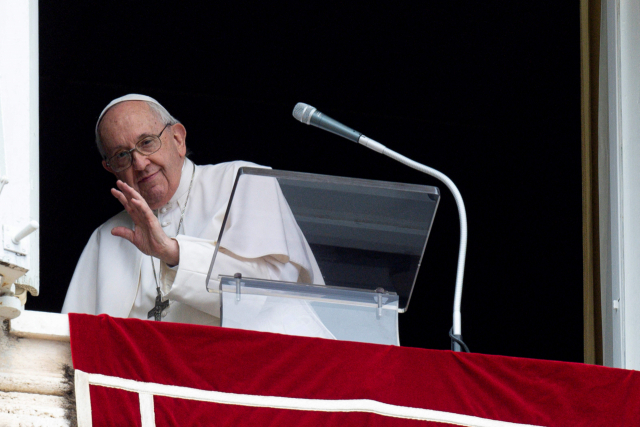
column 146, row 146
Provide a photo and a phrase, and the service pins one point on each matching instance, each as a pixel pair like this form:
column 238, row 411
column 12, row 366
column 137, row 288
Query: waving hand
column 147, row 235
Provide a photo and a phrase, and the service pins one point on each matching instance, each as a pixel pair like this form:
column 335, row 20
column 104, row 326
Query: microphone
column 311, row 116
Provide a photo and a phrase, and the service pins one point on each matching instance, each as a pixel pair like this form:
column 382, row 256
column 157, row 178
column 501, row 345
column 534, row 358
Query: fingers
column 123, row 232
column 136, row 207
column 121, row 197
column 147, row 235
column 143, row 210
column 127, row 195
column 129, row 192
column 129, row 205
column 133, row 195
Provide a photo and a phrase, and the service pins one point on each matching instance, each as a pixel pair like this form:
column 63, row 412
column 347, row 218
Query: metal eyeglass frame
column 135, row 148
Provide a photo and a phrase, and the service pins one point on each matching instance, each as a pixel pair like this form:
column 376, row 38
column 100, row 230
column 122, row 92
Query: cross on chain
column 156, row 311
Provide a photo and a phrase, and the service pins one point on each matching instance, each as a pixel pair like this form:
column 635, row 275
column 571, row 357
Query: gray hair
column 159, row 111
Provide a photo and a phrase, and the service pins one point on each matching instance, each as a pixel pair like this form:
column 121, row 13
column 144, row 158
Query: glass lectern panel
column 324, row 230
column 309, row 310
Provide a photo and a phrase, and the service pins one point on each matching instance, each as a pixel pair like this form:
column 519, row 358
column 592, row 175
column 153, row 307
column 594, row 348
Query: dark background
column 486, row 92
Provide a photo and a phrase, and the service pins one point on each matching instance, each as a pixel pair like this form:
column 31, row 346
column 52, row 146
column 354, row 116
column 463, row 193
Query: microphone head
column 303, row 112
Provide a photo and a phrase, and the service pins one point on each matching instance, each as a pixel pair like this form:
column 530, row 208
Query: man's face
column 155, row 177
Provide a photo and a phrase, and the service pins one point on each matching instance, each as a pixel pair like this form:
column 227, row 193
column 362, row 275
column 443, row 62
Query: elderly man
column 157, row 251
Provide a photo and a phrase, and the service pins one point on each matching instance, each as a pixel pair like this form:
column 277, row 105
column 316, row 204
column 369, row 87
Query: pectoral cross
column 156, row 311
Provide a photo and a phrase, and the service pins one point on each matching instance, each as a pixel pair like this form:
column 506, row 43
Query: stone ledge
column 41, row 325
column 33, row 350
column 36, row 405
column 32, row 410
column 11, row 420
column 31, row 383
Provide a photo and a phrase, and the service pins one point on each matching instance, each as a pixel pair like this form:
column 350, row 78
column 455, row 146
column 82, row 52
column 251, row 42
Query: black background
column 486, row 92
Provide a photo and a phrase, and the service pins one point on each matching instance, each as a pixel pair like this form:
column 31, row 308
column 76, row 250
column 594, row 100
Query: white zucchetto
column 129, row 97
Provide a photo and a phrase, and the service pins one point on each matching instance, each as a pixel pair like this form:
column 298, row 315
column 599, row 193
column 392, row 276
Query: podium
column 343, row 254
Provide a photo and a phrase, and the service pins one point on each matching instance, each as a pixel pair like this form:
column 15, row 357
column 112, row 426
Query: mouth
column 147, row 178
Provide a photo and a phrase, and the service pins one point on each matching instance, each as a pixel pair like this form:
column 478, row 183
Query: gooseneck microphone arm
column 309, row 115
column 457, row 299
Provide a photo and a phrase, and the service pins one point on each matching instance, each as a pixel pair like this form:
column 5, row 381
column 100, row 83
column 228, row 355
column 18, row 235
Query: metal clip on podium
column 353, row 250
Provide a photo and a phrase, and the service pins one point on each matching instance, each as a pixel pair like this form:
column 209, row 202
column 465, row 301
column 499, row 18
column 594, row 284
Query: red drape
column 521, row 391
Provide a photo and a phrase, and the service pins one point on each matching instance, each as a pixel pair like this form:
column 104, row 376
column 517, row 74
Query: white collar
column 183, row 187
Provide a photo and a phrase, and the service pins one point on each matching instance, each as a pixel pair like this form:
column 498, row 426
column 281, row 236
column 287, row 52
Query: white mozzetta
column 259, row 209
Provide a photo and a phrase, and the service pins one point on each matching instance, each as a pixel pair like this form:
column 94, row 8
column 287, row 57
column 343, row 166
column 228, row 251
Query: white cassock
column 114, row 277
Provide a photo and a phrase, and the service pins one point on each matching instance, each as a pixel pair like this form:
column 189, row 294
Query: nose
column 138, row 161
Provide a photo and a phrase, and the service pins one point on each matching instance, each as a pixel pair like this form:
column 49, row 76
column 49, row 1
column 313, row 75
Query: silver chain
column 155, row 275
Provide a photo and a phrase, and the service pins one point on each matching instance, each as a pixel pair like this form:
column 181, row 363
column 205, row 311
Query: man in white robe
column 164, row 191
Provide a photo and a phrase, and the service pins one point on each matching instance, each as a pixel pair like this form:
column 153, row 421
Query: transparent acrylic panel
column 309, row 310
column 324, row 230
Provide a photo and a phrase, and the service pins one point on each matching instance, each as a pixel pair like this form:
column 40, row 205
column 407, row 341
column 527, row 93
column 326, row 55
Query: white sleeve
column 186, row 283
column 81, row 295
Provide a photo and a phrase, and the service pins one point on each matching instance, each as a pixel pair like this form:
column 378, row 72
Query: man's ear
column 180, row 138
column 107, row 168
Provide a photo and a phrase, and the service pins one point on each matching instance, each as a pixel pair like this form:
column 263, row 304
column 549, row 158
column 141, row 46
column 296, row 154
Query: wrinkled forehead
column 125, row 98
column 127, row 122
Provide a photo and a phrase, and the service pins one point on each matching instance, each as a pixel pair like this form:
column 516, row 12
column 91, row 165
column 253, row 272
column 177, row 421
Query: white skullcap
column 129, row 97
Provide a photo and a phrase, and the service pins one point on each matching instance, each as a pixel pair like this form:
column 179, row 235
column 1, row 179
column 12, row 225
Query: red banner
column 141, row 373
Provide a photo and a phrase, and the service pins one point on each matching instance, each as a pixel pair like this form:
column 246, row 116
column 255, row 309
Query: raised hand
column 148, row 236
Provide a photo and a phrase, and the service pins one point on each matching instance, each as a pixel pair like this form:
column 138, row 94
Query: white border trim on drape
column 148, row 390
column 83, row 399
column 147, row 411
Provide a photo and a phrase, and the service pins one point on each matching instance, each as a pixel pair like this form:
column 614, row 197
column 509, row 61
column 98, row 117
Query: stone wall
column 33, row 349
